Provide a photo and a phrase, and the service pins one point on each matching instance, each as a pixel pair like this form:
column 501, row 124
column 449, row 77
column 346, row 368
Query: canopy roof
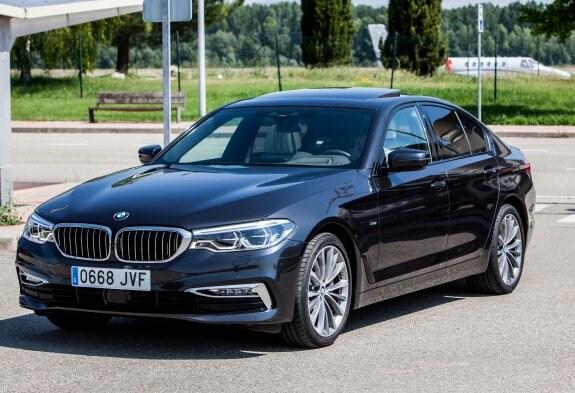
column 31, row 9
column 26, row 17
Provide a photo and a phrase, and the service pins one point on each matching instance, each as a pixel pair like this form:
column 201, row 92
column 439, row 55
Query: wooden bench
column 136, row 102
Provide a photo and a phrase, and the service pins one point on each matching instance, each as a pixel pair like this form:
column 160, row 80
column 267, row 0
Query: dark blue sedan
column 284, row 212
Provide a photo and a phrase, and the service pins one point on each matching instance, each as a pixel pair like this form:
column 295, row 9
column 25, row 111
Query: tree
column 363, row 53
column 132, row 28
column 127, row 27
column 22, row 54
column 556, row 19
column 327, row 32
column 59, row 48
column 421, row 47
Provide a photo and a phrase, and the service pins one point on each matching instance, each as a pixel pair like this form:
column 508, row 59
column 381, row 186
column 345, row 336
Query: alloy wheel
column 509, row 249
column 328, row 290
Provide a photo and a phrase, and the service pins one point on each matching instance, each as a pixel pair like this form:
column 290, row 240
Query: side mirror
column 408, row 159
column 146, row 153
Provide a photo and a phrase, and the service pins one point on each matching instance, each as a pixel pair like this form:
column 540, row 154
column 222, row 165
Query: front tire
column 323, row 297
column 506, row 255
column 78, row 320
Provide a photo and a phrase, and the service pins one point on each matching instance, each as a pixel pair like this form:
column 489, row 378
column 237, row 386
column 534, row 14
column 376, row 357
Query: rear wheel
column 323, row 297
column 506, row 255
column 78, row 321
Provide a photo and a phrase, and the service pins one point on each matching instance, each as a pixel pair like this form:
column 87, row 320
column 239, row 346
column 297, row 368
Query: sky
column 446, row 3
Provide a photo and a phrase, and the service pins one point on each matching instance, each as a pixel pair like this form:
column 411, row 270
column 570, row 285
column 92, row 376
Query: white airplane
column 505, row 65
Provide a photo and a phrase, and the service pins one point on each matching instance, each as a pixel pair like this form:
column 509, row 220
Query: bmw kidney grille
column 135, row 244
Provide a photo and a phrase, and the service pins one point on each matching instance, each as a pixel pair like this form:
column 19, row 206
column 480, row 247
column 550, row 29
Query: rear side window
column 448, row 132
column 474, row 132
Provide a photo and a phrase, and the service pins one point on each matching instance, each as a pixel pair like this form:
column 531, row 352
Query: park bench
column 136, row 102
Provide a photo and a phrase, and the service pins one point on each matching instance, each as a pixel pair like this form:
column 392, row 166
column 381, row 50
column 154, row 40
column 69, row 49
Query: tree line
column 249, row 35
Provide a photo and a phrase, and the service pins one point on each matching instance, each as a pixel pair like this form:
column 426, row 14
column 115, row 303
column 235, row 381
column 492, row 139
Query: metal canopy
column 25, row 17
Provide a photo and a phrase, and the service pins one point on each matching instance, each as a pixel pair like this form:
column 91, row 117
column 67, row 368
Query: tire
column 506, row 259
column 323, row 296
column 78, row 321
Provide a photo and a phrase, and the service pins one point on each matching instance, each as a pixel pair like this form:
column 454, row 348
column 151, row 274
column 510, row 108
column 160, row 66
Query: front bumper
column 274, row 267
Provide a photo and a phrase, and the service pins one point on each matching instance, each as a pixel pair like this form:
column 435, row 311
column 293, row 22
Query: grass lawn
column 520, row 99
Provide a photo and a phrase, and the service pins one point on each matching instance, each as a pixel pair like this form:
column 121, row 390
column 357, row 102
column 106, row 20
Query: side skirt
column 441, row 276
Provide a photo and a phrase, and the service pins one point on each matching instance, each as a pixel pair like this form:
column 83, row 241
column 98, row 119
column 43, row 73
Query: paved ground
column 441, row 340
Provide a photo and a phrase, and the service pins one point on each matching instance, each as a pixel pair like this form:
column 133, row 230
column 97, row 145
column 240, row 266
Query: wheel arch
column 340, row 229
column 515, row 201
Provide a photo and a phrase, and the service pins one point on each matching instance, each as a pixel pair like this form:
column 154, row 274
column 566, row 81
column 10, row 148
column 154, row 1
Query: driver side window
column 405, row 130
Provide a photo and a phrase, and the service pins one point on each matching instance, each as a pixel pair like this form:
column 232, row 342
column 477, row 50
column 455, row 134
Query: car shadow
column 412, row 303
column 171, row 339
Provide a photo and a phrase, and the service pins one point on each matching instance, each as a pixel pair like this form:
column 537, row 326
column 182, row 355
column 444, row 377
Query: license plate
column 93, row 277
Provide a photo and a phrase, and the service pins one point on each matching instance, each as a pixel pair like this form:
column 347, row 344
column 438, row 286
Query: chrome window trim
column 466, row 137
column 88, row 226
column 425, row 133
column 186, row 241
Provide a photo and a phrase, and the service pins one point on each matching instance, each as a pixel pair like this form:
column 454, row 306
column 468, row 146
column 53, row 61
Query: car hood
column 201, row 197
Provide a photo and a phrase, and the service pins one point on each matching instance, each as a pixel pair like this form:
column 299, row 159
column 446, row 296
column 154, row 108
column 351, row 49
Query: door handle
column 490, row 172
column 438, row 185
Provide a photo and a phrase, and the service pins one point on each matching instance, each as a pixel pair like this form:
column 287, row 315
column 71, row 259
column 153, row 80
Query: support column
column 6, row 42
column 167, row 82
column 201, row 58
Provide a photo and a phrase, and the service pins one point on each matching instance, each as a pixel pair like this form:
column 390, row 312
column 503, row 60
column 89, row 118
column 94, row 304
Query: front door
column 413, row 206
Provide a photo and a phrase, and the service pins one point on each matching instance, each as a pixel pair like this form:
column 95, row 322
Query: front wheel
column 506, row 255
column 323, row 297
column 78, row 320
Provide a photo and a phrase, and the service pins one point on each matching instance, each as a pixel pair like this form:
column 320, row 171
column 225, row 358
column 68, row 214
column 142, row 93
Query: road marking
column 570, row 219
column 539, row 207
column 534, row 150
column 253, row 352
column 556, row 196
column 68, row 144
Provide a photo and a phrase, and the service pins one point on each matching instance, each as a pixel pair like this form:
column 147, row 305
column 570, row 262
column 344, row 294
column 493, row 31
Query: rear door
column 472, row 176
column 413, row 205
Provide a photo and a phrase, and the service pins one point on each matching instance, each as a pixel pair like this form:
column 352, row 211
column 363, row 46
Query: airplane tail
column 448, row 65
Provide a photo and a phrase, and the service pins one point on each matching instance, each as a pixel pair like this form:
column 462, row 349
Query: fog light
column 30, row 279
column 235, row 291
column 243, row 292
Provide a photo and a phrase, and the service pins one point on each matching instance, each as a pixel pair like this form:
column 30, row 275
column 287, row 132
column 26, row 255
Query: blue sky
column 446, row 3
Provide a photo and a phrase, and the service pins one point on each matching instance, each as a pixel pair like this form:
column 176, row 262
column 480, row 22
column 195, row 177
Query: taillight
column 527, row 167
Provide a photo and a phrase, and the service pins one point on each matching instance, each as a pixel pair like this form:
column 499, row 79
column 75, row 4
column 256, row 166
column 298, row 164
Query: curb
column 526, row 131
column 9, row 237
column 531, row 134
column 99, row 129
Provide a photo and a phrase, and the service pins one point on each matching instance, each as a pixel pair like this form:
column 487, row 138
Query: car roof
column 343, row 97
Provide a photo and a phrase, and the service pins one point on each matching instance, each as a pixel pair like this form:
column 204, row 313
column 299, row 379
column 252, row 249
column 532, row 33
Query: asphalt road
column 446, row 339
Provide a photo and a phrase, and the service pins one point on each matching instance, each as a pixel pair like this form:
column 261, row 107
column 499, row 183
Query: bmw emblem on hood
column 121, row 215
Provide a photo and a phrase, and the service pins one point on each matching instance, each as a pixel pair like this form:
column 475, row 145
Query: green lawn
column 520, row 100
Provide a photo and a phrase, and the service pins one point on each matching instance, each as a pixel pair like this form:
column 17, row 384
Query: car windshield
column 295, row 136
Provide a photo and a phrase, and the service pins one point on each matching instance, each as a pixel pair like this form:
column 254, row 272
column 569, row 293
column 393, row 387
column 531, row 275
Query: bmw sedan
column 284, row 212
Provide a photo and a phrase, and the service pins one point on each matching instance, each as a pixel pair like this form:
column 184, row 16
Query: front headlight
column 38, row 230
column 249, row 236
